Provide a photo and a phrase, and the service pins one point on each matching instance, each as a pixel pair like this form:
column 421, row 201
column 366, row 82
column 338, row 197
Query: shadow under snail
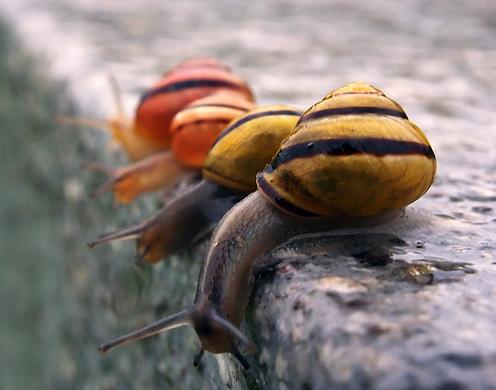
column 243, row 148
column 354, row 160
column 160, row 138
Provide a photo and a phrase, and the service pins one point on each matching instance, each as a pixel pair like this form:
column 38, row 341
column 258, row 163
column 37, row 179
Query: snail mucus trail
column 354, row 160
column 242, row 149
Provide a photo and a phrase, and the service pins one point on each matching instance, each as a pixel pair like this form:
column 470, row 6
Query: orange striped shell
column 179, row 87
column 195, row 128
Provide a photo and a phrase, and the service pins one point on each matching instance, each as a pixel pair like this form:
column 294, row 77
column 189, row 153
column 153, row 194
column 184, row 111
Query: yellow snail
column 354, row 160
column 243, row 148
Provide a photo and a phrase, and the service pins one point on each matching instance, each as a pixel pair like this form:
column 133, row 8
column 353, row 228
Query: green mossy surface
column 60, row 299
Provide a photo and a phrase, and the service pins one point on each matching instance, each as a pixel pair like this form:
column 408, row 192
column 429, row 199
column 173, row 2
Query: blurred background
column 58, row 299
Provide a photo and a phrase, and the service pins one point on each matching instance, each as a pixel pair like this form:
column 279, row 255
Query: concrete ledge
column 374, row 310
column 407, row 306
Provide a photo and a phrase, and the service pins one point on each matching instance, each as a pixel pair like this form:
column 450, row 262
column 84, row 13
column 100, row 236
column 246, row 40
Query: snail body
column 242, row 149
column 288, row 202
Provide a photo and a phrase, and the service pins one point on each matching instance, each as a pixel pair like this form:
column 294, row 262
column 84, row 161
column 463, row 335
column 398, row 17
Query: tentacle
column 95, row 123
column 148, row 175
column 178, row 224
column 198, row 357
column 122, row 131
column 237, row 354
column 174, row 321
column 232, row 330
column 116, row 94
column 98, row 167
column 122, row 234
column 117, row 126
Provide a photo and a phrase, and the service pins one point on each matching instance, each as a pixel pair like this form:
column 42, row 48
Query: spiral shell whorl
column 355, row 153
column 247, row 144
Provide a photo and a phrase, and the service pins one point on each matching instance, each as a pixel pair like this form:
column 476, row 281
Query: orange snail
column 193, row 130
column 354, row 160
column 151, row 132
column 179, row 87
column 241, row 150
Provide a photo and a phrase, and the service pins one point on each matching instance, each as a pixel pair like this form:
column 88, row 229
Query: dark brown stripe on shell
column 201, row 121
column 352, row 111
column 217, row 105
column 255, row 116
column 271, row 192
column 350, row 146
column 186, row 84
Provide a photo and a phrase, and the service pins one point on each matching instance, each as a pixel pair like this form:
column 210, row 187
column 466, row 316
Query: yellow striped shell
column 355, row 153
column 247, row 144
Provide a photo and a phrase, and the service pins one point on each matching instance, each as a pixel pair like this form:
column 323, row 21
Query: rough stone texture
column 389, row 310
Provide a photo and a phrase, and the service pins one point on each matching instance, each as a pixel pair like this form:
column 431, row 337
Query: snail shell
column 176, row 90
column 247, row 144
column 355, row 153
column 195, row 128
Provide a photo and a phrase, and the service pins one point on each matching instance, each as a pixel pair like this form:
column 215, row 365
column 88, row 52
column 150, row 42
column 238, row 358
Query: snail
column 149, row 132
column 354, row 160
column 182, row 85
column 193, row 130
column 241, row 150
column 157, row 129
